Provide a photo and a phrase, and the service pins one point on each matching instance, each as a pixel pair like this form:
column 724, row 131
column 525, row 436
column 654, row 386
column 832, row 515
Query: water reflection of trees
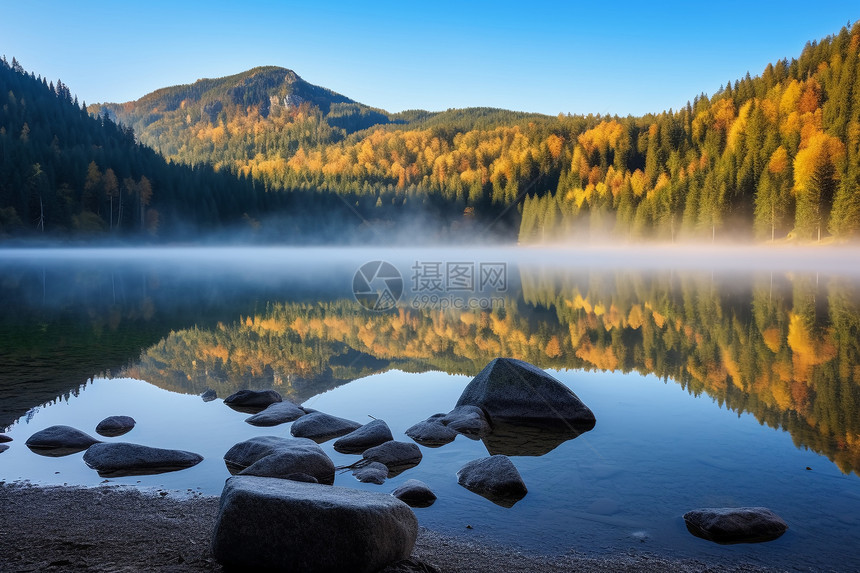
column 784, row 348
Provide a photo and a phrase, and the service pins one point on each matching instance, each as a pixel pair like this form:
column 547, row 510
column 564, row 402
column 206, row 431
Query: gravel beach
column 123, row 529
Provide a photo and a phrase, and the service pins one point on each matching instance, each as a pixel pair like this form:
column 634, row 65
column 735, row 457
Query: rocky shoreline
column 112, row 528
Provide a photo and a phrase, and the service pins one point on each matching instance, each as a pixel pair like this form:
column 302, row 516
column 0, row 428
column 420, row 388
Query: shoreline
column 121, row 528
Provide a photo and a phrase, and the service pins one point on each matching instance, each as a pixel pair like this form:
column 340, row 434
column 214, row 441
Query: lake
column 718, row 377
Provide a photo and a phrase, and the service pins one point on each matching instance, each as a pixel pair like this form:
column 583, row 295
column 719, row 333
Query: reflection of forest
column 785, row 349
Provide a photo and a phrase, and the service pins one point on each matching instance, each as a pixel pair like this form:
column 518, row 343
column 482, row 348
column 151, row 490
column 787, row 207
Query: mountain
column 223, row 120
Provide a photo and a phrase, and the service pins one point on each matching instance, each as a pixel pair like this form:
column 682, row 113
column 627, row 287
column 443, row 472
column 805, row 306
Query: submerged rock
column 115, row 426
column 277, row 413
column 495, row 478
column 397, row 456
column 321, row 427
column 57, row 441
column 272, row 524
column 369, row 435
column 115, row 459
column 3, row 448
column 252, row 401
column 432, row 432
column 287, row 458
column 518, row 392
column 415, row 493
column 373, row 472
column 735, row 525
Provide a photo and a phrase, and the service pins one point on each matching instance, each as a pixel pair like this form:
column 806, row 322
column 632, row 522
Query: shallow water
column 712, row 386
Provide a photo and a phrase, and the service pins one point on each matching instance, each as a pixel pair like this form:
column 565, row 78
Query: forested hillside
column 64, row 172
column 771, row 157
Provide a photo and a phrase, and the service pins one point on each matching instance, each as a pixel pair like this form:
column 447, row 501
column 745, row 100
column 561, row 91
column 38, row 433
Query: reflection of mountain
column 782, row 348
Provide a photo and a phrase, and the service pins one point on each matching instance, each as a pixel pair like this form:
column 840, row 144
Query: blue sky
column 572, row 57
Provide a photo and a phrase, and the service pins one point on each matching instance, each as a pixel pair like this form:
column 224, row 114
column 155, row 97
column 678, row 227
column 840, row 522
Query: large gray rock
column 252, row 401
column 415, row 493
column 518, row 392
column 115, row 425
column 373, row 472
column 432, row 432
column 369, row 435
column 495, row 478
column 58, row 441
column 115, row 459
column 272, row 524
column 735, row 525
column 287, row 458
column 321, row 427
column 277, row 413
column 397, row 456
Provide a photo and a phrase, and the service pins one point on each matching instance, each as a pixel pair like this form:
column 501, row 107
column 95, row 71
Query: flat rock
column 252, row 401
column 297, row 460
column 58, row 441
column 369, row 435
column 518, row 392
column 277, row 413
column 209, row 395
column 495, row 478
column 274, row 456
column 431, row 433
column 735, row 524
column 115, row 459
column 415, row 493
column 397, row 456
column 321, row 427
column 4, row 438
column 272, row 524
column 115, row 425
column 373, row 472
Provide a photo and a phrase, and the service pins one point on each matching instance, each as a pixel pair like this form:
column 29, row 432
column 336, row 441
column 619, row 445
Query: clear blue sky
column 550, row 57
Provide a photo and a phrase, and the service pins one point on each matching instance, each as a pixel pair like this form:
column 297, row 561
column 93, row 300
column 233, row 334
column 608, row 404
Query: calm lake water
column 717, row 377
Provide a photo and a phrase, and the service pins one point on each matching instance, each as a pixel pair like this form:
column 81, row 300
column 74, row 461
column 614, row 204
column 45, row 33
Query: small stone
column 277, row 413
column 4, row 438
column 431, row 433
column 115, row 459
column 373, row 472
column 397, row 456
column 252, row 401
column 369, row 435
column 415, row 493
column 735, row 525
column 58, row 441
column 321, row 427
column 495, row 478
column 113, row 426
column 209, row 395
